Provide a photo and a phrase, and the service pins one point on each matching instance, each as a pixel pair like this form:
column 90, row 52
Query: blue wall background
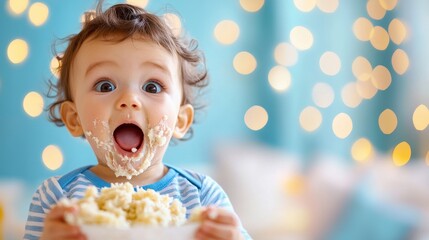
column 230, row 95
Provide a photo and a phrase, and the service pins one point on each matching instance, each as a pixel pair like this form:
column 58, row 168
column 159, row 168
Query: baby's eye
column 104, row 86
column 152, row 87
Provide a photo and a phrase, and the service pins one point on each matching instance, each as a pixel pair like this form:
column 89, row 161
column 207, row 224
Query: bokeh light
column 17, row 51
column 83, row 16
column 279, row 78
column 285, row 54
column 226, row 32
column 350, row 95
column 294, row 185
column 323, row 95
column 361, row 68
column 327, row 6
column 342, row 125
column 244, row 63
column 401, row 154
column 310, row 119
column 256, row 118
column 52, row 157
column 252, row 5
column 53, row 66
column 388, row 4
column 400, row 61
column 366, row 89
column 17, row 6
column 397, row 31
column 33, row 104
column 330, row 63
column 38, row 13
column 301, row 38
column 379, row 38
column 421, row 117
column 173, row 21
column 362, row 150
column 381, row 78
column 362, row 29
column 305, row 5
column 387, row 121
column 375, row 10
column 139, row 3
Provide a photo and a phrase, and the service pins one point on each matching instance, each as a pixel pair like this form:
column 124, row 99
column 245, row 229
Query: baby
column 128, row 85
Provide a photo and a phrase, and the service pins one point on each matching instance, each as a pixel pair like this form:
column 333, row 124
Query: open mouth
column 128, row 137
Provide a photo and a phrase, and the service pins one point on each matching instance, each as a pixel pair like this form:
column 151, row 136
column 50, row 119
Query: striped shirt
column 191, row 189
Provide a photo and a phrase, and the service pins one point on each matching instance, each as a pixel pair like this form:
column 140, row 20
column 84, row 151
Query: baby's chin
column 129, row 166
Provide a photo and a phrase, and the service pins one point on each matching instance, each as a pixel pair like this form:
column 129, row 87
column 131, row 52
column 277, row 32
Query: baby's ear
column 70, row 118
column 184, row 120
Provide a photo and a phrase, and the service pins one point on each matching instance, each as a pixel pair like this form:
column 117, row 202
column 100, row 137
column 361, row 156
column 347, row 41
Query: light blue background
column 230, row 95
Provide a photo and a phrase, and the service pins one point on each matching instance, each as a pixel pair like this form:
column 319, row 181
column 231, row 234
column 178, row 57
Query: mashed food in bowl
column 120, row 206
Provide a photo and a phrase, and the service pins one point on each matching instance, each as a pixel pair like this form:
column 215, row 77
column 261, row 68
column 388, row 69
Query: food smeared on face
column 128, row 150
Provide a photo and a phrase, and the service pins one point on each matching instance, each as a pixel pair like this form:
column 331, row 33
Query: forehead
column 136, row 48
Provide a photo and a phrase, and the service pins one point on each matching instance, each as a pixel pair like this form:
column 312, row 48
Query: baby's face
column 127, row 98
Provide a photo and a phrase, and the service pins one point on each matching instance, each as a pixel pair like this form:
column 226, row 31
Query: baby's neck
column 151, row 175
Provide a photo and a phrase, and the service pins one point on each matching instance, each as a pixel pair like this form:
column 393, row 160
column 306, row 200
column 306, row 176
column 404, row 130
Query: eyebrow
column 163, row 68
column 96, row 64
column 157, row 65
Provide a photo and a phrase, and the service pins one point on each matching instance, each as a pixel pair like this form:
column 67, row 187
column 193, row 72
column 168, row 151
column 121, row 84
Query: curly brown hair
column 120, row 22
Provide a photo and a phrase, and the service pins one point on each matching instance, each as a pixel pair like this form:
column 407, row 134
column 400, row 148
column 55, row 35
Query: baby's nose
column 129, row 100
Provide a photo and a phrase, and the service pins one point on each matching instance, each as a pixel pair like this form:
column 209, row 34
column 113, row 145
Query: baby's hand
column 218, row 223
column 56, row 228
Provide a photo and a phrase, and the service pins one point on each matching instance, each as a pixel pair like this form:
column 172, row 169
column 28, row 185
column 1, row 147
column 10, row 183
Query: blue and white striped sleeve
column 213, row 194
column 46, row 196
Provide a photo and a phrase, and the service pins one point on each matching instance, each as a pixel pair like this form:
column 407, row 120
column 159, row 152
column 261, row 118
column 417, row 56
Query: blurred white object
column 11, row 192
column 184, row 232
column 329, row 184
column 405, row 187
column 254, row 177
column 333, row 197
column 257, row 179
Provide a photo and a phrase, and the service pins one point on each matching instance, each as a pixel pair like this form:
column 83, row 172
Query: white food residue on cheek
column 107, row 145
column 158, row 134
column 131, row 166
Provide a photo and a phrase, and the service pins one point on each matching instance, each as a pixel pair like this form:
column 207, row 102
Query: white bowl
column 184, row 232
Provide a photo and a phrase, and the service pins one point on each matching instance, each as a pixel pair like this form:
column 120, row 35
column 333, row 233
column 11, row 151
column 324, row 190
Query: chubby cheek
column 161, row 130
column 168, row 114
column 93, row 120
